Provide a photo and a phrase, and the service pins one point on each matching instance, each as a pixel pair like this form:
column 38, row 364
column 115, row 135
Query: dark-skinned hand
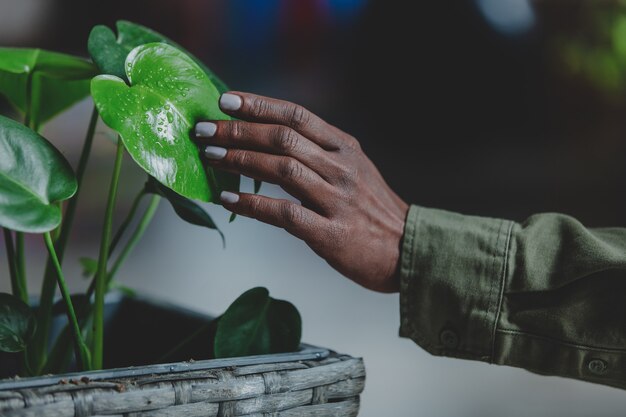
column 348, row 215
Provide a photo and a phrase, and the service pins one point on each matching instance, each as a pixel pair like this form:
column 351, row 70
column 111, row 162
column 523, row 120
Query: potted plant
column 248, row 361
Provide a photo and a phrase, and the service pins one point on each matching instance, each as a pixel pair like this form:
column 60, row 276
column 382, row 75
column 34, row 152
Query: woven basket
column 325, row 387
column 311, row 382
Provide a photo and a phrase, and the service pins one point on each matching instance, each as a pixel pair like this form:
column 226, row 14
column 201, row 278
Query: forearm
column 547, row 295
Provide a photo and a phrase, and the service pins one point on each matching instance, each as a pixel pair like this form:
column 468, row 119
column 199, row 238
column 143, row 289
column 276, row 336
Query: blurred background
column 491, row 107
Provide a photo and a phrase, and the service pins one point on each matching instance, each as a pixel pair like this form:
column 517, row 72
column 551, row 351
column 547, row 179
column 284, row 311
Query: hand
column 348, row 214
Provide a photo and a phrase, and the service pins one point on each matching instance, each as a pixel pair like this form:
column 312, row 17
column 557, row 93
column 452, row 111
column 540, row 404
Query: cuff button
column 597, row 366
column 449, row 339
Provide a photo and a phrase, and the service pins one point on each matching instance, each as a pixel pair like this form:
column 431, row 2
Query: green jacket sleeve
column 547, row 295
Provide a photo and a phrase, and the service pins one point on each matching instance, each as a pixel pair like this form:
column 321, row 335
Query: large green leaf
column 49, row 81
column 257, row 324
column 33, row 177
column 17, row 323
column 109, row 52
column 186, row 209
column 169, row 93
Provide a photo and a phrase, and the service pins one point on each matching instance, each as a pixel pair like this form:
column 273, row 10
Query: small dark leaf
column 257, row 186
column 186, row 209
column 90, row 266
column 285, row 326
column 106, row 52
column 109, row 51
column 80, row 303
column 17, row 324
column 257, row 324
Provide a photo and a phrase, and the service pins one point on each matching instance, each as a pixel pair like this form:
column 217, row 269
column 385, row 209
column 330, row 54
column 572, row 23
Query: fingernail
column 205, row 129
column 214, row 152
column 230, row 102
column 228, row 197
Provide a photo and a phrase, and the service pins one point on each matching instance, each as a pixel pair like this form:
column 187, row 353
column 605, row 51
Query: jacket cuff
column 451, row 281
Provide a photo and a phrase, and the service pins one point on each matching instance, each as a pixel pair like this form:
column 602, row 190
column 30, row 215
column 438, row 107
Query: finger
column 268, row 110
column 297, row 220
column 274, row 139
column 294, row 177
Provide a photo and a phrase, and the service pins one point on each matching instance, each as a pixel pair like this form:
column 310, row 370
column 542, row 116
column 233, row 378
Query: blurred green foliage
column 593, row 48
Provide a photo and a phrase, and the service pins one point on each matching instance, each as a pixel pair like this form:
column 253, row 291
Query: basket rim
column 306, row 353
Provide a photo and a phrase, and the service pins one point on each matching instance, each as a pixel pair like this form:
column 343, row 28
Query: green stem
column 70, row 212
column 21, row 262
column 81, row 350
column 144, row 222
column 29, row 99
column 101, row 274
column 40, row 343
column 139, row 231
column 57, row 230
column 58, row 355
column 127, row 221
column 16, row 284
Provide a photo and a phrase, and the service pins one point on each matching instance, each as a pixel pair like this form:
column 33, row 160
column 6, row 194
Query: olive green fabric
column 547, row 295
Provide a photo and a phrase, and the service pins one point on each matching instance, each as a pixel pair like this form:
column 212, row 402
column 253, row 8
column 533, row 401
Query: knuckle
column 337, row 232
column 349, row 175
column 291, row 213
column 255, row 207
column 259, row 108
column 286, row 139
column 239, row 159
column 352, row 144
column 237, row 129
column 299, row 117
column 290, row 169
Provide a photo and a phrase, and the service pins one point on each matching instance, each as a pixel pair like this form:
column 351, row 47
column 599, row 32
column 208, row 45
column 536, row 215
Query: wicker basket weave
column 324, row 387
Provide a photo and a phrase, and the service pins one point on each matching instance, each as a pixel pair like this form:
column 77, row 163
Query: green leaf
column 90, row 266
column 169, row 93
column 17, row 324
column 56, row 81
column 186, row 209
column 257, row 186
column 257, row 324
column 109, row 52
column 124, row 290
column 34, row 176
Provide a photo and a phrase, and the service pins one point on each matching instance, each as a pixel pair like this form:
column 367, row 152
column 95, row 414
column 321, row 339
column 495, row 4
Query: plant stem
column 70, row 212
column 16, row 284
column 57, row 230
column 29, row 99
column 144, row 222
column 46, row 301
column 21, row 263
column 127, row 221
column 81, row 350
column 58, row 355
column 101, row 274
column 139, row 231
